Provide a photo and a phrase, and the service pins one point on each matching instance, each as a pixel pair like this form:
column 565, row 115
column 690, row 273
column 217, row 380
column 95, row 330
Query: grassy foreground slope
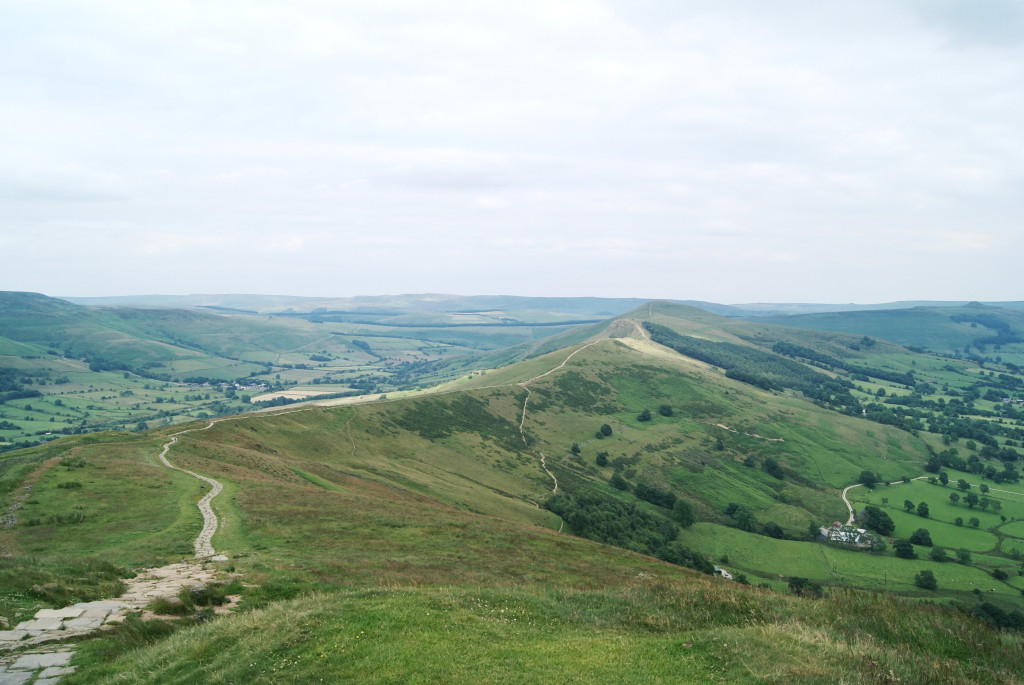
column 407, row 541
column 363, row 581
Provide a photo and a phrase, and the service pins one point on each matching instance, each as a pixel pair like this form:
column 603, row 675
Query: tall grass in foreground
column 644, row 632
column 27, row 582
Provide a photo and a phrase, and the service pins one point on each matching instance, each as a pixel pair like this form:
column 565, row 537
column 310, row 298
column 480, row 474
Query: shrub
column 804, row 587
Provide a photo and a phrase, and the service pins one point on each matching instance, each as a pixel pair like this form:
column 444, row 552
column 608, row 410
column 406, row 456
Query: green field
column 383, row 540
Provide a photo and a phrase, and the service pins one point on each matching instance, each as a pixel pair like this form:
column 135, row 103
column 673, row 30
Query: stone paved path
column 203, row 543
column 30, row 649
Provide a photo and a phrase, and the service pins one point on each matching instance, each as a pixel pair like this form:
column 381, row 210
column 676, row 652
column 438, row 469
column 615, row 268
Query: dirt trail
column 203, row 543
column 525, row 385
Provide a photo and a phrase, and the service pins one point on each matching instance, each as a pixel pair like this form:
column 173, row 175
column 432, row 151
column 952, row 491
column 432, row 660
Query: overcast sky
column 728, row 150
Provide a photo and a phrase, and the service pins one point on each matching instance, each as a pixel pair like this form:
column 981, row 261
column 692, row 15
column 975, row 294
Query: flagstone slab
column 83, row 623
column 66, row 612
column 40, row 624
column 13, row 635
column 33, row 662
column 57, row 672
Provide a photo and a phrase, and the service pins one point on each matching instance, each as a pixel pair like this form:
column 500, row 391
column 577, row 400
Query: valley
column 573, row 503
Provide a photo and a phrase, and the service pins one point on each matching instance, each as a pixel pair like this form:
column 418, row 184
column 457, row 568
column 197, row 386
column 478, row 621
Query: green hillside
column 558, row 519
column 973, row 330
column 66, row 368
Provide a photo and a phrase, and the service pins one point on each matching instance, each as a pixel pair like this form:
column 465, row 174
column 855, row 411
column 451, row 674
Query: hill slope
column 415, row 540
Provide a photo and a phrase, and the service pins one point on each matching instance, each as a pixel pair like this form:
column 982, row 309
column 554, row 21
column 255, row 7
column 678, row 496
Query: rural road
column 204, row 541
column 849, row 506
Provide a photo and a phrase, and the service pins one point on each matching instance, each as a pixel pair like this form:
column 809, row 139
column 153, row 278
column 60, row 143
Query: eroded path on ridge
column 525, row 385
column 204, row 541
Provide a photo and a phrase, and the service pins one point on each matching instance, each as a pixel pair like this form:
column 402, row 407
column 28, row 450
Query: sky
column 727, row 150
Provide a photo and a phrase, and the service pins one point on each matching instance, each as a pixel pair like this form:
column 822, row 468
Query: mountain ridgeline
column 659, row 497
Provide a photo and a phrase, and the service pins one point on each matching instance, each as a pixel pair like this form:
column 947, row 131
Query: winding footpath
column 525, row 385
column 204, row 541
column 36, row 649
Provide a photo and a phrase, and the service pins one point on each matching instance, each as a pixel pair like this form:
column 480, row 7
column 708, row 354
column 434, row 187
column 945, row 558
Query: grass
column 27, row 584
column 646, row 631
column 943, row 513
column 403, row 541
column 769, row 558
column 154, row 529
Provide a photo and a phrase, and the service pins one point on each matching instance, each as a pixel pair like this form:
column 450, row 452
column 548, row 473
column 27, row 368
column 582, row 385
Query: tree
column 958, row 521
column 921, row 536
column 963, row 485
column 926, row 580
column 682, row 512
column 922, row 510
column 904, row 549
column 719, row 446
column 602, row 459
column 984, row 488
column 742, row 516
column 954, row 498
column 963, row 556
column 908, row 505
column 773, row 530
column 944, row 478
column 875, row 543
column 984, row 502
column 772, row 468
column 877, row 520
column 618, row 482
column 999, row 574
column 575, row 449
column 645, row 415
column 973, row 522
column 606, row 430
column 745, row 519
column 868, row 479
column 971, row 499
column 665, row 410
column 938, row 554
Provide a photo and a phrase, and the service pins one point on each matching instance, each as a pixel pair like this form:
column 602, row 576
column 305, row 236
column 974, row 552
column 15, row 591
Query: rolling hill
column 557, row 518
column 973, row 330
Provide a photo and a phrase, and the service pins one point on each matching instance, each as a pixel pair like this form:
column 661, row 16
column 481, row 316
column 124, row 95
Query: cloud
column 669, row 143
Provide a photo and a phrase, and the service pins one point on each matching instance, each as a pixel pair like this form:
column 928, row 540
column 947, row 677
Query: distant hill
column 782, row 309
column 514, row 307
column 547, row 308
column 972, row 329
column 560, row 518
